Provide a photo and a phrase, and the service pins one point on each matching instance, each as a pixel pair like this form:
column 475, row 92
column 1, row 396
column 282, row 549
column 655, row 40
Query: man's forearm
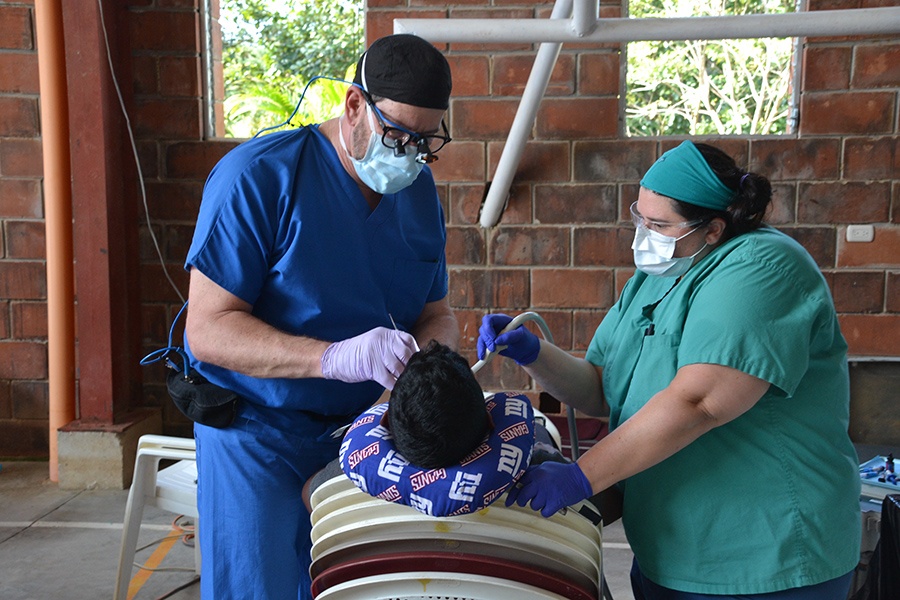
column 437, row 322
column 222, row 331
column 444, row 329
column 240, row 342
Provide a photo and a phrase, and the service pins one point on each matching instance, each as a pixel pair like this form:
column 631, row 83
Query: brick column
column 104, row 191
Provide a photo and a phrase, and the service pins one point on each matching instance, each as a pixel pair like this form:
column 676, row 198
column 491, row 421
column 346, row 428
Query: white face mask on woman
column 380, row 169
column 653, row 253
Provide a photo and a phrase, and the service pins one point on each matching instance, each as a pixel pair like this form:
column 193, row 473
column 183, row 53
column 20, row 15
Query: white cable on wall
column 137, row 162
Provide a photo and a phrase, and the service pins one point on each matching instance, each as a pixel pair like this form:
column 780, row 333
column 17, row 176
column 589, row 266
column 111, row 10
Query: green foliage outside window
column 273, row 48
column 701, row 87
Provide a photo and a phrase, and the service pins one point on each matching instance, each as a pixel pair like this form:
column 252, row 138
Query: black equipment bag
column 201, row 401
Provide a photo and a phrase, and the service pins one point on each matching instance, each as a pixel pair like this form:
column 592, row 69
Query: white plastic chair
column 173, row 489
column 352, row 531
column 435, row 585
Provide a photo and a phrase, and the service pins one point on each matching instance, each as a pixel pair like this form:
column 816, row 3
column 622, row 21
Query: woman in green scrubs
column 724, row 374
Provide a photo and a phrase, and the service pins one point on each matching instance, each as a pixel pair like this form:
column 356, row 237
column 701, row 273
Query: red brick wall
column 23, row 289
column 561, row 248
column 168, row 121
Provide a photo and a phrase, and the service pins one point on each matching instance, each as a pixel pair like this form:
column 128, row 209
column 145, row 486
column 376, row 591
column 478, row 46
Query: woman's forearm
column 656, row 432
column 700, row 398
column 569, row 379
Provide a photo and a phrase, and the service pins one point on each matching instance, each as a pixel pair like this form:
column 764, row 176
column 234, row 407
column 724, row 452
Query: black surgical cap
column 407, row 69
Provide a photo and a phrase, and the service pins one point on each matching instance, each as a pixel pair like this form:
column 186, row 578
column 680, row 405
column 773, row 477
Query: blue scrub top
column 285, row 228
column 770, row 500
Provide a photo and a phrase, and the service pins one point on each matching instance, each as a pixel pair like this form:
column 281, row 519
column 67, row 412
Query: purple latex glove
column 521, row 345
column 379, row 354
column 550, row 486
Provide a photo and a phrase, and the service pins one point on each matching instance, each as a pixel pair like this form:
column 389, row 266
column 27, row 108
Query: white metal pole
column 584, row 17
column 556, row 30
column 861, row 21
column 521, row 127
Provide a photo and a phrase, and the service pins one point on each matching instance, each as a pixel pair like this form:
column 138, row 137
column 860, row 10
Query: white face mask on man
column 653, row 253
column 381, row 169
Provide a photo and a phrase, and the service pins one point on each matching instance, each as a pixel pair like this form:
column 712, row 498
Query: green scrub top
column 770, row 500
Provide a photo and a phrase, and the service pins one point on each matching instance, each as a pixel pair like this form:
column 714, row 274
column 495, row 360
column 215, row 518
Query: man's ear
column 385, row 421
column 354, row 105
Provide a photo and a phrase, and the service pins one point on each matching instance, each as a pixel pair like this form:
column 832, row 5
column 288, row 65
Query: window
column 721, row 87
column 261, row 54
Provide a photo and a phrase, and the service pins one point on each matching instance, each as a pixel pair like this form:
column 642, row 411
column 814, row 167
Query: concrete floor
column 64, row 544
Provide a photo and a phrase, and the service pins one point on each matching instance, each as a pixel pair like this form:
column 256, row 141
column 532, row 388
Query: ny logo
column 359, row 481
column 464, row 486
column 515, row 406
column 380, row 432
column 343, row 450
column 421, row 504
column 391, row 466
column 510, row 459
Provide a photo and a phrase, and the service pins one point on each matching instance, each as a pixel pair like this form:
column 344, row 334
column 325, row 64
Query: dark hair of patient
column 753, row 193
column 437, row 413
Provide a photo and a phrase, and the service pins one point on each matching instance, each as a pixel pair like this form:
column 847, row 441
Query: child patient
column 437, row 415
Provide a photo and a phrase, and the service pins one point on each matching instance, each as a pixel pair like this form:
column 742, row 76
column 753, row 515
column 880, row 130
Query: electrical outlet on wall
column 860, row 233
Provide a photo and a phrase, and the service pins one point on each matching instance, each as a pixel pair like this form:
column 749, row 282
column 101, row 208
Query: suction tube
column 545, row 331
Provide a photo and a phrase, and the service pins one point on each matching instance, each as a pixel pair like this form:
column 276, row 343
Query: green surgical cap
column 683, row 174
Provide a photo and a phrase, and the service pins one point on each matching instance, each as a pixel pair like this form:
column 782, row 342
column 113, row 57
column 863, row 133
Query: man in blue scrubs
column 317, row 268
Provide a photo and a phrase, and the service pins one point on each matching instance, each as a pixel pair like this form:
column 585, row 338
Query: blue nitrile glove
column 521, row 345
column 550, row 486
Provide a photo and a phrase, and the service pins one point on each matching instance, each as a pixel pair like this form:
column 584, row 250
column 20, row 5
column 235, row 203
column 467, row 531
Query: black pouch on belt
column 201, row 401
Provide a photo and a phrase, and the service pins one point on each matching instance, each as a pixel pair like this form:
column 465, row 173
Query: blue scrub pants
column 834, row 589
column 253, row 527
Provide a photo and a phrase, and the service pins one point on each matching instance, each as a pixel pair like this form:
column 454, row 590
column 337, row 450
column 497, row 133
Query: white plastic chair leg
column 144, row 490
